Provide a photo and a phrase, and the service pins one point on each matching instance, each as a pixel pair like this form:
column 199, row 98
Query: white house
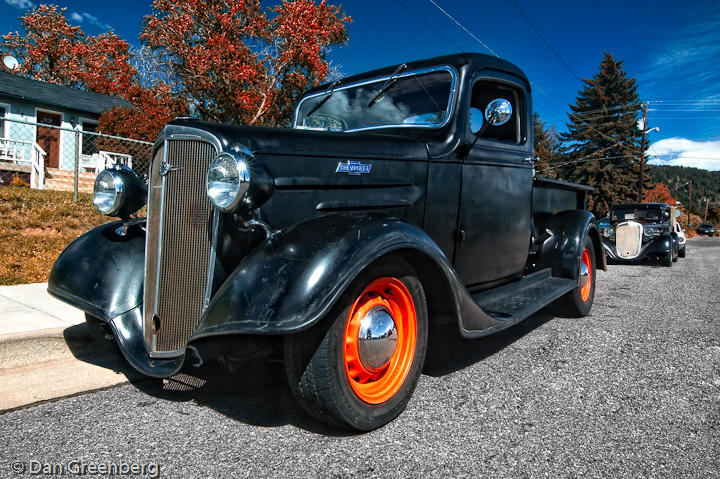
column 26, row 105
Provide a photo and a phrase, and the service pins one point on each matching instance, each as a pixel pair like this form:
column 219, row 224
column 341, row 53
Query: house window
column 2, row 121
column 89, row 142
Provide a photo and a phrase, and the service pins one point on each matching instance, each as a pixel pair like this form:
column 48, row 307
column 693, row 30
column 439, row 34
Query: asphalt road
column 633, row 390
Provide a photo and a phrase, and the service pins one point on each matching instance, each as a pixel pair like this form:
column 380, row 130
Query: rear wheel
column 359, row 367
column 578, row 302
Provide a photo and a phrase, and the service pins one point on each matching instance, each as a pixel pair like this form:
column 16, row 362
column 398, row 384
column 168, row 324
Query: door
column 49, row 138
column 494, row 220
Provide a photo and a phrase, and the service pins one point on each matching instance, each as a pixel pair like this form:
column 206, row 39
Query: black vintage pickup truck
column 400, row 197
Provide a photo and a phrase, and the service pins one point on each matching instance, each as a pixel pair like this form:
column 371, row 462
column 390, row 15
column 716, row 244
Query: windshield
column 420, row 98
column 642, row 215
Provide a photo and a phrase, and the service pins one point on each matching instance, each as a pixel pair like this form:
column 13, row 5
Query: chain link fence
column 45, row 156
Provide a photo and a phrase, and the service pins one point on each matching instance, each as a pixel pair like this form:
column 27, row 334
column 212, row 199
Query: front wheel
column 368, row 361
column 682, row 251
column 578, row 302
column 667, row 259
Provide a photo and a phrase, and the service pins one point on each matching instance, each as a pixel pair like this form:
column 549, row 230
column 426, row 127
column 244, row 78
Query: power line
column 534, row 85
column 463, row 27
column 514, row 3
column 429, row 25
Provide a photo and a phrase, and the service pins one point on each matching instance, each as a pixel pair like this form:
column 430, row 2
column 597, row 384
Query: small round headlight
column 228, row 178
column 108, row 192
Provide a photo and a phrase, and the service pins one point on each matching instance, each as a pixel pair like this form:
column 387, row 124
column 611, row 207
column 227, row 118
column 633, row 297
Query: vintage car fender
column 102, row 272
column 562, row 249
column 659, row 245
column 289, row 282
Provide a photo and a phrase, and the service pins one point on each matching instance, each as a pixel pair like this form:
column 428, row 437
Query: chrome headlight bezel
column 119, row 192
column 234, row 167
column 130, row 192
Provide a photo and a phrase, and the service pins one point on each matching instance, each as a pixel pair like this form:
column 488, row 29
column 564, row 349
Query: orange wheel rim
column 378, row 385
column 587, row 263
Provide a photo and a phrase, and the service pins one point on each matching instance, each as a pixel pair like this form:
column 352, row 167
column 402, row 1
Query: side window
column 486, row 91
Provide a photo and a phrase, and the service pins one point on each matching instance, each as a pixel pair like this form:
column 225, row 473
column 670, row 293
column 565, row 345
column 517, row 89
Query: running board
column 518, row 300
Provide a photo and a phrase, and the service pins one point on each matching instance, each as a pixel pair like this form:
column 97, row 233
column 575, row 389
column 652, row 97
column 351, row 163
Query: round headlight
column 228, row 178
column 108, row 192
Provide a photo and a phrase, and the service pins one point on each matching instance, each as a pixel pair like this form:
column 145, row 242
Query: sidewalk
column 28, row 309
column 46, row 351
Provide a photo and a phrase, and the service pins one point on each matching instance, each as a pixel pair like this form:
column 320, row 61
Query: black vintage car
column 642, row 230
column 401, row 197
column 706, row 228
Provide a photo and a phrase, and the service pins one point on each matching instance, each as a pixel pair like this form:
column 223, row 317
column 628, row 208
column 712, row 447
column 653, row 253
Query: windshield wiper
column 324, row 99
column 387, row 85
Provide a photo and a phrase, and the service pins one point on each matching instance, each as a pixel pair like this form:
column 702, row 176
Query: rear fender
column 101, row 272
column 290, row 281
column 562, row 250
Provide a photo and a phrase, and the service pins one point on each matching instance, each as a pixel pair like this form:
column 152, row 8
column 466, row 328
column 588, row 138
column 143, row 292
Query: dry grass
column 35, row 226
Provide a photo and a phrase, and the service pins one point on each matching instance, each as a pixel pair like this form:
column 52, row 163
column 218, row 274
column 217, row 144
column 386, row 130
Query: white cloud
column 21, row 4
column 91, row 19
column 684, row 152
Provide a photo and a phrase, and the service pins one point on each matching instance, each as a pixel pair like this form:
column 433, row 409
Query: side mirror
column 498, row 112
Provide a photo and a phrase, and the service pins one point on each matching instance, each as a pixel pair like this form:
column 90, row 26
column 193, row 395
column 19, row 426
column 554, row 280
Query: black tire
column 572, row 304
column 676, row 252
column 667, row 259
column 682, row 251
column 315, row 360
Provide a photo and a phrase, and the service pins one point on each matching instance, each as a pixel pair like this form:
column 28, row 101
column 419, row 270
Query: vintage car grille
column 178, row 244
column 628, row 239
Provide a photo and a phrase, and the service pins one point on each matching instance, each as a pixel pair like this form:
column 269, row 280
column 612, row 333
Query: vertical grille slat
column 182, row 244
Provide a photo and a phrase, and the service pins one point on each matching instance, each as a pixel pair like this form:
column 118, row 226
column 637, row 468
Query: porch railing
column 25, row 153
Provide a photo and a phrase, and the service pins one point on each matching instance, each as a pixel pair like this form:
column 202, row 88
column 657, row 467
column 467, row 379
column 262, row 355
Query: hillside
column 706, row 184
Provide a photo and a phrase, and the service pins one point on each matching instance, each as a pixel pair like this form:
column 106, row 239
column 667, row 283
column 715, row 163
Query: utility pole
column 689, row 203
column 706, row 208
column 642, row 153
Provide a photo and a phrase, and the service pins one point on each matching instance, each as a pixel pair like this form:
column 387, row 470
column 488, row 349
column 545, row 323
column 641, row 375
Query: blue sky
column 670, row 47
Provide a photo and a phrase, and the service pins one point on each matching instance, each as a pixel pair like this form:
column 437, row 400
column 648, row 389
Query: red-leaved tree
column 235, row 61
column 52, row 50
column 659, row 194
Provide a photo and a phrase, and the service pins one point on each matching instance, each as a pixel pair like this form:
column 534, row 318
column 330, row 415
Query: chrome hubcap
column 584, row 274
column 377, row 339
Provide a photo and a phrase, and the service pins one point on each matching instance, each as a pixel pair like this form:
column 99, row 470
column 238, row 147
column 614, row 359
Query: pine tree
column 603, row 141
column 547, row 148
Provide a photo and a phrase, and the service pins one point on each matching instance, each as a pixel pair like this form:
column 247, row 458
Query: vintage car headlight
column 228, row 178
column 119, row 192
column 652, row 231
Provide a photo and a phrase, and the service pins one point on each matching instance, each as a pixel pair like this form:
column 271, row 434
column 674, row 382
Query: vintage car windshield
column 642, row 215
column 420, row 98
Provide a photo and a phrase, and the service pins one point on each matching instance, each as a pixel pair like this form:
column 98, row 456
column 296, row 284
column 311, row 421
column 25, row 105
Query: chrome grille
column 178, row 244
column 628, row 239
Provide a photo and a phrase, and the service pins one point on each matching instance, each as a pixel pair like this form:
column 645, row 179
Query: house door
column 49, row 138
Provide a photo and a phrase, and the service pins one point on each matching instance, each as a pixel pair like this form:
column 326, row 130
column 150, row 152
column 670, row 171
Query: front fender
column 562, row 250
column 101, row 272
column 289, row 282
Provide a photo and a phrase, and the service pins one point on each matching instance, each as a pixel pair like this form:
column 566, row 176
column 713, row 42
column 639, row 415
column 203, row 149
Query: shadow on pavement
column 256, row 392
column 448, row 352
